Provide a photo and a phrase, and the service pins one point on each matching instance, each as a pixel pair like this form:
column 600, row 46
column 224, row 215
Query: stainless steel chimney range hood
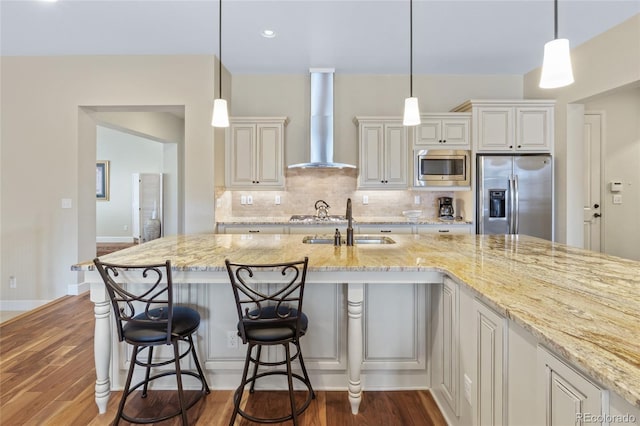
column 321, row 123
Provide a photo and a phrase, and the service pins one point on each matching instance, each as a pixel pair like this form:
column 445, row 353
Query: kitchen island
column 581, row 305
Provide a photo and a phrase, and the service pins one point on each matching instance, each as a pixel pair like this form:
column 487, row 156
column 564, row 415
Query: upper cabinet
column 383, row 153
column 443, row 131
column 511, row 126
column 255, row 153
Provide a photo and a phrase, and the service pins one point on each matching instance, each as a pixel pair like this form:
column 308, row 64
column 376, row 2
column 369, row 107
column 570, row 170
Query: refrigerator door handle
column 516, row 202
column 511, row 211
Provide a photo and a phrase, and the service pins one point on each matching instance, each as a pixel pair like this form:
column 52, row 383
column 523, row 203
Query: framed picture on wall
column 102, row 180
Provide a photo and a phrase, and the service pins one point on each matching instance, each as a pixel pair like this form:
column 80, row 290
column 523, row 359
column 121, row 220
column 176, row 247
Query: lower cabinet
column 488, row 370
column 445, row 229
column 385, row 229
column 248, row 229
column 567, row 396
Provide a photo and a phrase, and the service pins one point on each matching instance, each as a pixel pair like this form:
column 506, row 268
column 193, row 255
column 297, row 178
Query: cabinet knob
column 597, row 215
column 519, row 146
column 595, row 206
column 444, row 141
column 510, row 146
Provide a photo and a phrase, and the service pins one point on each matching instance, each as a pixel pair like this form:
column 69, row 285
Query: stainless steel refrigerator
column 515, row 195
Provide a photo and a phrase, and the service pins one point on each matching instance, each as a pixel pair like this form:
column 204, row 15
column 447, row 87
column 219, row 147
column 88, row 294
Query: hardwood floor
column 47, row 377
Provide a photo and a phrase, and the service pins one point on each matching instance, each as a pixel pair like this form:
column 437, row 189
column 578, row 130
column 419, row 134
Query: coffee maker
column 445, row 208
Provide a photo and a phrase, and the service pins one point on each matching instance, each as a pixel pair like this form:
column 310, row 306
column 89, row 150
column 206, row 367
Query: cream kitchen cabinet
column 383, row 154
column 510, row 126
column 443, row 131
column 385, row 229
column 252, row 229
column 568, row 396
column 255, row 153
column 445, row 329
column 445, row 229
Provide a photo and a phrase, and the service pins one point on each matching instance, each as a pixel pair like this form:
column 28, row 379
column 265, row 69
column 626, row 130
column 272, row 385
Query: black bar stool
column 142, row 301
column 269, row 304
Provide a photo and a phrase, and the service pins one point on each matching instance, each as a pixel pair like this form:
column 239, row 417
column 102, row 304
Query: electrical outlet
column 365, row 199
column 416, row 199
column 232, row 339
column 12, row 282
column 277, row 202
column 467, row 388
column 125, row 227
column 249, row 199
column 617, row 199
column 66, row 203
column 243, row 199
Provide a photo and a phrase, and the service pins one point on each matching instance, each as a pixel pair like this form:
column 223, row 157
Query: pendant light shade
column 220, row 116
column 411, row 112
column 411, row 109
column 556, row 65
column 220, row 113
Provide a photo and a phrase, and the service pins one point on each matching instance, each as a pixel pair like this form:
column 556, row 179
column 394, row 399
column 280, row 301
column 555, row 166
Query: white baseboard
column 115, row 239
column 21, row 305
column 78, row 288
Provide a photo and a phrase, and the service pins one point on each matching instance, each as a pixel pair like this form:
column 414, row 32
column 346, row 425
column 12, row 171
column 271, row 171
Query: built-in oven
column 437, row 167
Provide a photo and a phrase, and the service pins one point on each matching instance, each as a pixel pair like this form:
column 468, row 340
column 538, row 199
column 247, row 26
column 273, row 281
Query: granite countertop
column 365, row 220
column 584, row 305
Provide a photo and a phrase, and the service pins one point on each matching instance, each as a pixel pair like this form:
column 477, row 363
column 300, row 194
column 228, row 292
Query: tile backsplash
column 305, row 186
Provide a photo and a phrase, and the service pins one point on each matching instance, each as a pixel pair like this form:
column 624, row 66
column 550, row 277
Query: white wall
column 621, row 152
column 48, row 136
column 609, row 61
column 127, row 154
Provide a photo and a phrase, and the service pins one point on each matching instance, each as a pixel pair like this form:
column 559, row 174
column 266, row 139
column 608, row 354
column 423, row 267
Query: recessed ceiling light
column 268, row 33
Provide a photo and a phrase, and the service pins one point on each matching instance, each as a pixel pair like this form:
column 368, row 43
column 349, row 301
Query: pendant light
column 556, row 65
column 220, row 116
column 411, row 109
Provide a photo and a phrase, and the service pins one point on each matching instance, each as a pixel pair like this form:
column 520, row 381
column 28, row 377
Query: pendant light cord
column 220, row 50
column 555, row 19
column 411, row 48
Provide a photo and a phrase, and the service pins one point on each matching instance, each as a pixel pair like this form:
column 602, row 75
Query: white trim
column 21, row 305
column 78, row 288
column 115, row 239
column 603, row 183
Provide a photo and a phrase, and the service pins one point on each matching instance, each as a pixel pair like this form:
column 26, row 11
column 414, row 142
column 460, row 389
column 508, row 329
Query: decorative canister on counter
column 151, row 227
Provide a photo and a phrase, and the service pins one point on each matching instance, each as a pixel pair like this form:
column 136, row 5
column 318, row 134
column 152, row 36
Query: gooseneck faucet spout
column 349, row 223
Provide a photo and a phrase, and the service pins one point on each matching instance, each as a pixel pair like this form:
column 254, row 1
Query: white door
column 592, row 190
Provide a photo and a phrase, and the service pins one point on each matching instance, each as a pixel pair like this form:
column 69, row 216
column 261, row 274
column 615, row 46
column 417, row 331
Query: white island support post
column 355, row 298
column 102, row 344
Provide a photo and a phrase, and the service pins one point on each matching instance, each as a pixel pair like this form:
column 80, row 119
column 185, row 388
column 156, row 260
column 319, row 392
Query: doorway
column 593, row 210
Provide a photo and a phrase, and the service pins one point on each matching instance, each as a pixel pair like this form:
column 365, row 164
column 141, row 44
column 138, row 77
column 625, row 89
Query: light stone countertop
column 583, row 305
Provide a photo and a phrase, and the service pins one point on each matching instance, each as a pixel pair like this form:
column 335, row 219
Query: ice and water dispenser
column 497, row 206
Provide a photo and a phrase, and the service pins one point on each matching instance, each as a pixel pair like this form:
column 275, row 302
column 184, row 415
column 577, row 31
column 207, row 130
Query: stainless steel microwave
column 436, row 167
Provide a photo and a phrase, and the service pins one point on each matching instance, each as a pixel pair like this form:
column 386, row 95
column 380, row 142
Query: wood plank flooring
column 47, row 377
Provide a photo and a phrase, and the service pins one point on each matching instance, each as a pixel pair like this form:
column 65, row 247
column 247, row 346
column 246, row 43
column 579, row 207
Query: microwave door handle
column 516, row 202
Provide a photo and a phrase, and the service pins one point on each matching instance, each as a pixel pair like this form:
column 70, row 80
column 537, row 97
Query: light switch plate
column 66, row 203
column 277, row 200
column 365, row 199
column 243, row 200
column 249, row 199
column 416, row 199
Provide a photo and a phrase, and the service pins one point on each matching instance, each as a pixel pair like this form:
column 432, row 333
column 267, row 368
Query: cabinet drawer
column 445, row 229
column 385, row 229
column 258, row 229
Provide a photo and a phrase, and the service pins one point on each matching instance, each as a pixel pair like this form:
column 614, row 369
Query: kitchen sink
column 313, row 219
column 357, row 239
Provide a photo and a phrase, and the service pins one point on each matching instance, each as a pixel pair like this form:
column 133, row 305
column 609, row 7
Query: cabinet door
column 495, row 129
column 241, row 155
column 534, row 129
column 455, row 133
column 395, row 156
column 568, row 395
column 371, row 156
column 445, row 347
column 489, row 356
column 429, row 132
column 269, row 164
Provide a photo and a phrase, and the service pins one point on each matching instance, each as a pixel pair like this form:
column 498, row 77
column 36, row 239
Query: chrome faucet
column 350, row 223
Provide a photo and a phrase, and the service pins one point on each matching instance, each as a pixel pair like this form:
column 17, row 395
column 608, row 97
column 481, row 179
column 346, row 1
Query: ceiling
column 353, row 36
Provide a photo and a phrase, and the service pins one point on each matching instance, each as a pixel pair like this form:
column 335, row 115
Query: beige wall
column 48, row 153
column 621, row 152
column 358, row 95
column 604, row 63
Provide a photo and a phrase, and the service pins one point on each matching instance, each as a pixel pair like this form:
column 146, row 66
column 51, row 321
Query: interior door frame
column 603, row 208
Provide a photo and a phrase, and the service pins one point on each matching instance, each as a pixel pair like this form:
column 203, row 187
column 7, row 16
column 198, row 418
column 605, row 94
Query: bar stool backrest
column 268, row 294
column 140, row 295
